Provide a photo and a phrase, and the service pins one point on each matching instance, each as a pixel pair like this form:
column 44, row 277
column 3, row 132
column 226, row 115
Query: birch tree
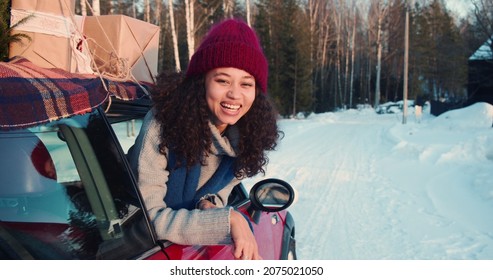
column 248, row 13
column 353, row 54
column 228, row 8
column 147, row 11
column 324, row 49
column 190, row 24
column 338, row 56
column 380, row 12
column 325, row 29
column 347, row 27
column 157, row 12
column 83, row 7
column 96, row 8
column 313, row 16
column 174, row 36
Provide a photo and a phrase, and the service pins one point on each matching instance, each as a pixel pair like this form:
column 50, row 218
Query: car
column 67, row 191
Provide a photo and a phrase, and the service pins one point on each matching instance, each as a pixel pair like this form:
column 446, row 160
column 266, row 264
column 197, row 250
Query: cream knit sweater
column 182, row 226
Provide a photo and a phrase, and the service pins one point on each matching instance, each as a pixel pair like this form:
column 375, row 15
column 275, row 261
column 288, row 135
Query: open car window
column 65, row 193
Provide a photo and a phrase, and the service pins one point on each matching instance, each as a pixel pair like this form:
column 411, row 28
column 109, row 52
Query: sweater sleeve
column 181, row 226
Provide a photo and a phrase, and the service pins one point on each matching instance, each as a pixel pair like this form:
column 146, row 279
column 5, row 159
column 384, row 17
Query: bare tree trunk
column 134, row 9
column 483, row 15
column 83, row 7
column 346, row 71
column 379, row 60
column 313, row 8
column 324, row 49
column 362, row 82
column 157, row 13
column 228, row 7
column 192, row 25
column 111, row 10
column 147, row 11
column 370, row 70
column 338, row 57
column 295, row 84
column 320, row 56
column 189, row 14
column 248, row 13
column 406, row 63
column 174, row 36
column 353, row 51
column 325, row 60
column 96, row 8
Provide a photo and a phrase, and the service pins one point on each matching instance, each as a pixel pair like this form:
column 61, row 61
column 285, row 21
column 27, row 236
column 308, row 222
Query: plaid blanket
column 31, row 95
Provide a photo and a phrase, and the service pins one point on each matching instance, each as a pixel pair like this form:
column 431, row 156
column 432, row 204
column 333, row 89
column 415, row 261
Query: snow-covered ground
column 370, row 187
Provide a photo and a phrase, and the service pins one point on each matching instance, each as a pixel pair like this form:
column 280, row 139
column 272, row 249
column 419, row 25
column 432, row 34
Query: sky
column 459, row 7
column 372, row 188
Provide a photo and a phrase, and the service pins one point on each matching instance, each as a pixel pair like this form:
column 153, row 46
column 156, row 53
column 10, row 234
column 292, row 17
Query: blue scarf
column 182, row 183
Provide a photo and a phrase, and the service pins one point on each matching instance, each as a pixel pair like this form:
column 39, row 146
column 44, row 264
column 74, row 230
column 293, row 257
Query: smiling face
column 230, row 93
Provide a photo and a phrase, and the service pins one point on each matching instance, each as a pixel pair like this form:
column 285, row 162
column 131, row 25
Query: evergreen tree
column 303, row 72
column 6, row 38
column 280, row 24
column 439, row 56
column 393, row 61
column 4, row 26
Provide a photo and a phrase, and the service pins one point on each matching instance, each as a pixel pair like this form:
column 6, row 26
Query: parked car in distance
column 67, row 192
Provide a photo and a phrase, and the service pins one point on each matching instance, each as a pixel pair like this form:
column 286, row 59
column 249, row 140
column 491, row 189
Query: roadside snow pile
column 475, row 116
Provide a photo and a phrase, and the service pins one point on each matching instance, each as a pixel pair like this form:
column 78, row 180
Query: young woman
column 207, row 130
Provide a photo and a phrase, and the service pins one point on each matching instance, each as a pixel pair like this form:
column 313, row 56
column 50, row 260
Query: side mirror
column 271, row 195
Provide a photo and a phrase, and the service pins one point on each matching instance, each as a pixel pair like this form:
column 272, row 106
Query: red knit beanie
column 231, row 43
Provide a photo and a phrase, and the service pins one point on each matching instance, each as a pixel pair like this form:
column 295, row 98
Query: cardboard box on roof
column 122, row 45
column 64, row 8
column 50, row 29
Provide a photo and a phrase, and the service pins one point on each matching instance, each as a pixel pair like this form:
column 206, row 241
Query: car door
column 268, row 230
column 85, row 206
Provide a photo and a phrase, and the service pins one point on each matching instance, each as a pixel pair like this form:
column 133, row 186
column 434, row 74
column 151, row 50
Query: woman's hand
column 206, row 204
column 245, row 245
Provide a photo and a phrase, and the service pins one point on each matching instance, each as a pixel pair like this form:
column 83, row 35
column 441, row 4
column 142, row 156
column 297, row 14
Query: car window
column 237, row 196
column 126, row 132
column 66, row 192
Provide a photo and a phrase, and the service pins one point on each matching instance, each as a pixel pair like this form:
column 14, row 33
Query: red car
column 67, row 192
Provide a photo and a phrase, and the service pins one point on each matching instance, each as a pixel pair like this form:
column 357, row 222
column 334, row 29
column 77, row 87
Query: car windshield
column 66, row 192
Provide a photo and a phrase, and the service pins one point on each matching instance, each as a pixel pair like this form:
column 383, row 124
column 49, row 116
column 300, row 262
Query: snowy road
column 367, row 191
column 337, row 181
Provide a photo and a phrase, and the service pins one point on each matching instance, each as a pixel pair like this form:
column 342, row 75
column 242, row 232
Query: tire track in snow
column 335, row 198
column 343, row 222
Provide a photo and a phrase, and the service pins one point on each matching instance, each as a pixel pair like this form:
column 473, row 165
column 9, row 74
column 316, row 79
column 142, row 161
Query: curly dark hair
column 181, row 109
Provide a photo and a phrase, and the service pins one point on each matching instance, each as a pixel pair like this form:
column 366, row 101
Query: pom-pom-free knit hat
column 231, row 43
